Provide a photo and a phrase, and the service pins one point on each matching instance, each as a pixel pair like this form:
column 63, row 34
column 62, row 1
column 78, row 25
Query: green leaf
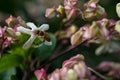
column 7, row 74
column 13, row 77
column 44, row 51
column 19, row 51
column 10, row 61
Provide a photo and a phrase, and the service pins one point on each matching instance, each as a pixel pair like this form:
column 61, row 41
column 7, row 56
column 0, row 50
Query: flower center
column 39, row 33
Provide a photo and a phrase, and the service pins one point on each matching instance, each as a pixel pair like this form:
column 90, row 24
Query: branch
column 98, row 74
column 64, row 53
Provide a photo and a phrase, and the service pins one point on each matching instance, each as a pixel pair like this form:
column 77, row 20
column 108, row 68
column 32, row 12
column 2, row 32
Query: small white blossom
column 118, row 9
column 33, row 32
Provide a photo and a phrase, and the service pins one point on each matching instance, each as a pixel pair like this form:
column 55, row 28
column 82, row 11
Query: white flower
column 34, row 32
column 118, row 9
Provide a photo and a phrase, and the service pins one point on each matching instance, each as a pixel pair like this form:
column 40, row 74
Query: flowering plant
column 73, row 32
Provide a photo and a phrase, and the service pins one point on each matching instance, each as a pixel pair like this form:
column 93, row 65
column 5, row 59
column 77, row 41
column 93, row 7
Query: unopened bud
column 100, row 12
column 118, row 9
column 1, row 32
column 21, row 22
column 91, row 31
column 71, row 75
column 12, row 21
column 71, row 30
column 60, row 9
column 80, row 69
column 50, row 13
column 17, row 33
column 76, row 38
column 93, row 11
column 40, row 74
column 117, row 26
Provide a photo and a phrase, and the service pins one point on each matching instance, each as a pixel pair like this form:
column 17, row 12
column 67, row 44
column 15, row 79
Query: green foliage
column 7, row 74
column 10, row 61
column 17, row 49
column 44, row 51
column 13, row 77
column 16, row 56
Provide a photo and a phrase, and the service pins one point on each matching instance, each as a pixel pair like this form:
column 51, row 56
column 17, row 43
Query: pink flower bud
column 80, row 69
column 72, row 69
column 50, row 13
column 4, row 40
column 104, row 66
column 76, row 63
column 55, row 75
column 76, row 38
column 70, row 3
column 74, row 60
column 114, row 74
column 1, row 32
column 12, row 21
column 93, row 11
column 40, row 74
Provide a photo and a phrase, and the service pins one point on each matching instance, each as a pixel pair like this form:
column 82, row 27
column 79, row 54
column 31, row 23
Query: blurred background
column 34, row 11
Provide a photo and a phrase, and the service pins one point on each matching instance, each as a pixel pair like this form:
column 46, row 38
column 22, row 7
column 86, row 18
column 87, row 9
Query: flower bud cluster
column 97, row 32
column 70, row 8
column 16, row 26
column 13, row 23
column 93, row 11
column 72, row 69
column 4, row 40
column 110, row 69
column 64, row 34
column 8, row 34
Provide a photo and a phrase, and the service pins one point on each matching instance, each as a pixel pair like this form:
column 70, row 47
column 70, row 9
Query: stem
column 53, row 55
column 64, row 53
column 25, row 77
column 1, row 47
column 33, row 63
column 98, row 74
column 1, row 53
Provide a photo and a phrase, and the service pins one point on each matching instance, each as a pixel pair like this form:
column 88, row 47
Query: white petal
column 44, row 27
column 48, row 43
column 29, row 42
column 118, row 9
column 31, row 25
column 24, row 30
column 36, row 46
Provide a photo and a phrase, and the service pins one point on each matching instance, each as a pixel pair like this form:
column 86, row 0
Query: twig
column 64, row 53
column 53, row 55
column 33, row 63
column 98, row 74
column 1, row 53
column 25, row 77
